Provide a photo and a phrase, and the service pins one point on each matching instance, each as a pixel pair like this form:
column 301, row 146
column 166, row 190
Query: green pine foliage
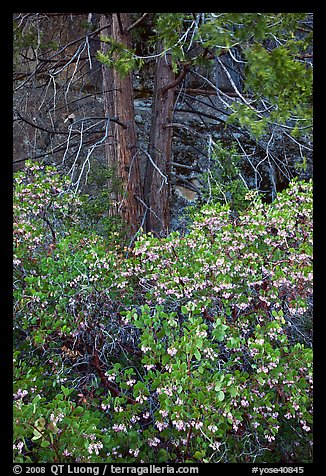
column 285, row 82
column 191, row 348
column 272, row 47
column 118, row 56
column 272, row 51
column 222, row 181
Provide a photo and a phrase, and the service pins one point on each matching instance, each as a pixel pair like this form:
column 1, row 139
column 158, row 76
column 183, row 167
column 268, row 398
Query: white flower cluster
column 94, row 448
column 56, row 418
column 134, row 452
column 119, row 428
column 153, row 441
column 19, row 446
column 161, row 425
column 172, row 351
column 20, row 394
column 209, row 353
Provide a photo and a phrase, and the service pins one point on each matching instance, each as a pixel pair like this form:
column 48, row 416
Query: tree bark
column 119, row 103
column 157, row 176
column 108, row 106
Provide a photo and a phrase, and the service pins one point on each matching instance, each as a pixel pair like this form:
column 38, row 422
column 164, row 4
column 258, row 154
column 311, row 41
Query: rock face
column 59, row 117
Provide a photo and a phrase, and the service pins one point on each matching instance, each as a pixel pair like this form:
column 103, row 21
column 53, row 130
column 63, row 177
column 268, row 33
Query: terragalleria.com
column 150, row 469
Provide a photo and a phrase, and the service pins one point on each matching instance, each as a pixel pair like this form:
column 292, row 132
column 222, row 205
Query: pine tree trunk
column 108, row 106
column 157, row 176
column 120, row 104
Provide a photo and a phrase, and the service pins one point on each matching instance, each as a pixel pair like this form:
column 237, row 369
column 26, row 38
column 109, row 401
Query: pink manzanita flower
column 134, row 419
column 304, row 425
column 134, row 452
column 141, row 398
column 172, row 351
column 66, row 453
column 263, row 369
column 149, row 366
column 179, row 424
column 20, row 394
column 209, row 353
column 161, row 425
column 167, row 390
column 56, row 418
column 153, row 442
column 235, row 425
column 110, row 377
column 198, row 425
column 19, row 446
column 212, row 428
column 145, row 349
column 94, row 448
column 215, row 445
column 120, row 427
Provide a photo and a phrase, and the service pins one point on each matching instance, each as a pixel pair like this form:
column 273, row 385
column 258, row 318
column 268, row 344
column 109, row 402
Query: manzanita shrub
column 191, row 348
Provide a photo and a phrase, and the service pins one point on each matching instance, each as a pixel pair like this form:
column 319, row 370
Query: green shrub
column 222, row 181
column 97, row 210
column 195, row 348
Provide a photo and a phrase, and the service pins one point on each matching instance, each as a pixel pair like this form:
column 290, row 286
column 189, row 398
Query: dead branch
column 114, row 390
column 186, row 167
column 176, row 82
column 187, row 184
column 137, row 22
column 37, row 126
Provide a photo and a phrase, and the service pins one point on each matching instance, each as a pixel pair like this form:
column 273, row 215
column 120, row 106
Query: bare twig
column 137, row 22
column 154, row 165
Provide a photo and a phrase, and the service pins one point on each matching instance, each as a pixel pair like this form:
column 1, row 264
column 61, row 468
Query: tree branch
column 54, row 131
column 44, row 129
column 208, row 92
column 137, row 22
column 120, row 24
column 115, row 391
column 186, row 167
column 186, row 184
column 176, row 82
